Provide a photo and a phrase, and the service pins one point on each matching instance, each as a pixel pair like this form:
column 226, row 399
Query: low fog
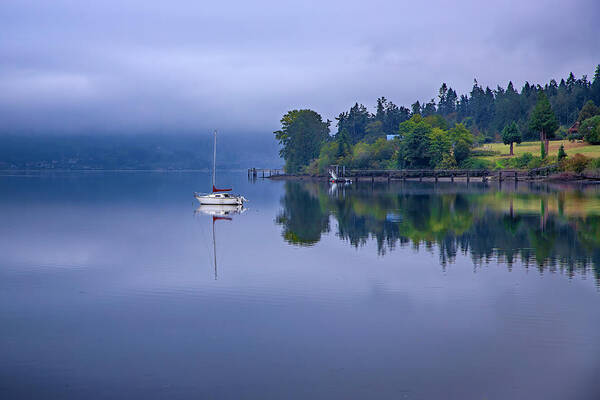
column 187, row 67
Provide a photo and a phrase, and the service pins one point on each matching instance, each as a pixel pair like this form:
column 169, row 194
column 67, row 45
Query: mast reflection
column 219, row 213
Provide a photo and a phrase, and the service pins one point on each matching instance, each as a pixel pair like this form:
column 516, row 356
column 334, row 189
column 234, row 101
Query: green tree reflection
column 539, row 226
column 303, row 218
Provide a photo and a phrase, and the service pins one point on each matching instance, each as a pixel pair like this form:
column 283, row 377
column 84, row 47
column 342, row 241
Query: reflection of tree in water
column 549, row 230
column 302, row 216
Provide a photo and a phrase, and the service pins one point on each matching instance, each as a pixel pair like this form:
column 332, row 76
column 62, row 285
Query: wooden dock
column 422, row 174
column 264, row 172
column 448, row 175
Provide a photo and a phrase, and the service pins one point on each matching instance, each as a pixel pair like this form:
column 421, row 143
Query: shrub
column 535, row 163
column 484, row 153
column 593, row 169
column 476, row 163
column 462, row 150
column 594, row 163
column 448, row 162
column 578, row 163
column 522, row 161
column 561, row 153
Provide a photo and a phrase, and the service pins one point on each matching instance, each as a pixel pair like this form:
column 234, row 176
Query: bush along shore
column 484, row 130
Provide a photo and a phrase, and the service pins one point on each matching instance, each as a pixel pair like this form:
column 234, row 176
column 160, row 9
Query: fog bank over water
column 182, row 66
column 142, row 151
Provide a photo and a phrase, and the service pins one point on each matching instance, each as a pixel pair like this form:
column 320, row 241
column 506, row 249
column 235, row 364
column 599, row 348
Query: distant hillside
column 136, row 152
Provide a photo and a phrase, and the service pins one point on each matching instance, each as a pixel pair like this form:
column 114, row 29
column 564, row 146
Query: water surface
column 108, row 289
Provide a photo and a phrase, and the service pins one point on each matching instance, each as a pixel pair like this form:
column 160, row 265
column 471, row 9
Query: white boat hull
column 216, row 200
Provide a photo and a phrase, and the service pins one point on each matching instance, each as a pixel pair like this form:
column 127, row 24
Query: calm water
column 407, row 291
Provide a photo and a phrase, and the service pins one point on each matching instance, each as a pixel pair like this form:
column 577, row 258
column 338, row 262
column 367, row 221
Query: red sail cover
column 220, row 190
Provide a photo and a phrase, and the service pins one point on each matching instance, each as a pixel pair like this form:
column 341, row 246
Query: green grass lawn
column 571, row 148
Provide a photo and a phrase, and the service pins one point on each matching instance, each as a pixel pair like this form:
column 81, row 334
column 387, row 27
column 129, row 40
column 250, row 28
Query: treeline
column 533, row 112
column 484, row 111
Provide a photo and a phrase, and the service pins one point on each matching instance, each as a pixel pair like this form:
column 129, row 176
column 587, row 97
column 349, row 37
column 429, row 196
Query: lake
column 110, row 288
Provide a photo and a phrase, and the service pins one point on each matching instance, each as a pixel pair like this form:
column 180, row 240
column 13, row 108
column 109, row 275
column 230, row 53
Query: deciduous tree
column 301, row 135
column 462, row 141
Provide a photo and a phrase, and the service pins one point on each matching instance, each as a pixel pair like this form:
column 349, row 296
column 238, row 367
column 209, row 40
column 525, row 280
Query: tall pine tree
column 543, row 120
column 595, row 89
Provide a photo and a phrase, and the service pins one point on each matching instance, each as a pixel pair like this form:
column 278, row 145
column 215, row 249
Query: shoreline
column 555, row 178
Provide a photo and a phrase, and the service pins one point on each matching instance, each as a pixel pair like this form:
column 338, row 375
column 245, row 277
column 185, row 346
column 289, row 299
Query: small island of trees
column 466, row 131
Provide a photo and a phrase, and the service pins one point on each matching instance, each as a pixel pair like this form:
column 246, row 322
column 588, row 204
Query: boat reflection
column 219, row 213
column 220, row 210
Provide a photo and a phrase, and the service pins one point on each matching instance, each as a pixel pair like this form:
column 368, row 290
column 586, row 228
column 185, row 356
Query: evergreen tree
column 442, row 96
column 589, row 110
column 416, row 108
column 543, row 120
column 343, row 143
column 570, row 81
column 373, row 131
column 551, row 88
column 511, row 135
column 462, row 107
column 507, row 107
column 595, row 87
column 381, row 105
column 481, row 106
column 447, row 100
column 390, row 115
column 355, row 122
column 451, row 101
column 429, row 108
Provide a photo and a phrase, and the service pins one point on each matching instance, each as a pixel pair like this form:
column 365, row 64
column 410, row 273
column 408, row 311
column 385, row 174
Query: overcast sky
column 190, row 65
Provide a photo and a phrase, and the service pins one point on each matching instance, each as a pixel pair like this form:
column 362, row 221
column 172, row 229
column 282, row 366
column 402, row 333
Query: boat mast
column 214, row 162
column 214, row 189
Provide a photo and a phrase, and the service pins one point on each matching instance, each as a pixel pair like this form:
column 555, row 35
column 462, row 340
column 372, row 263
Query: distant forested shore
column 134, row 152
column 481, row 129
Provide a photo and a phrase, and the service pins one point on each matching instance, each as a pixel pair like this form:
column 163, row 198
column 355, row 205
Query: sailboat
column 218, row 196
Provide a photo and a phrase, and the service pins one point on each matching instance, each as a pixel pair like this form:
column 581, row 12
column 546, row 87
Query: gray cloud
column 184, row 66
